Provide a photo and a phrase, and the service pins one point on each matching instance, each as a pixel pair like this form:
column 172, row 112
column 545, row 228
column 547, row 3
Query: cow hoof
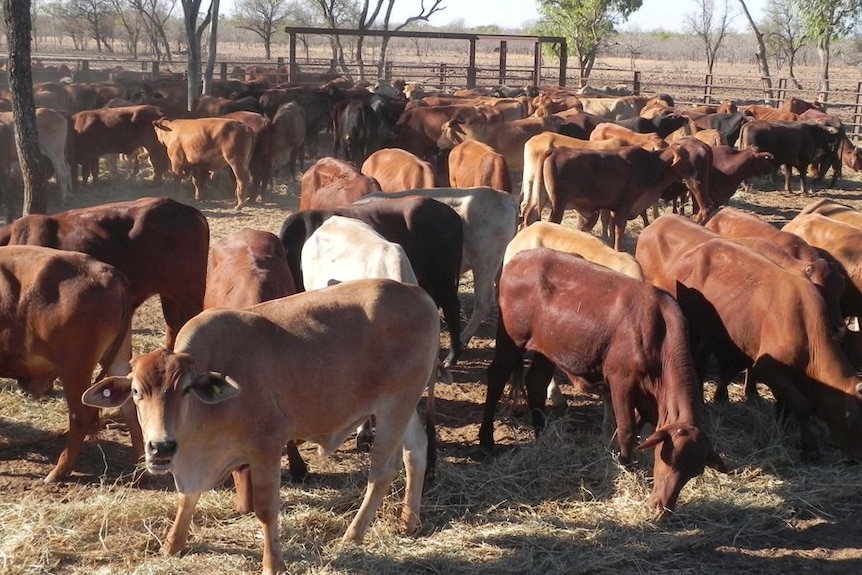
column 364, row 442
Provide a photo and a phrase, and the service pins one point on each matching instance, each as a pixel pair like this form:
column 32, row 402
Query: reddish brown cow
column 117, row 131
column 783, row 336
column 768, row 114
column 64, row 313
column 260, row 164
column 418, row 130
column 625, row 181
column 796, row 105
column 701, row 158
column 332, row 183
column 204, row 145
column 211, row 106
column 159, row 244
column 540, row 295
column 473, row 164
column 396, row 169
column 288, row 137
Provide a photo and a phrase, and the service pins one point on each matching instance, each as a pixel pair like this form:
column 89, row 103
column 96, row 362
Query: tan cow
column 208, row 144
column 53, row 129
column 63, row 313
column 244, row 383
column 473, row 164
column 396, row 169
column 607, row 130
column 620, row 108
column 332, row 183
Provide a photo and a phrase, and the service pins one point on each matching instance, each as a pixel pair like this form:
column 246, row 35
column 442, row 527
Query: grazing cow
column 430, row 232
column 783, row 337
column 731, row 167
column 204, row 145
column 260, row 163
column 507, row 138
column 159, row 244
column 646, row 363
column 625, row 181
column 54, row 133
column 395, row 169
column 490, row 218
column 846, row 153
column 563, row 239
column 63, row 313
column 473, row 164
column 116, row 131
column 288, row 137
column 792, row 144
column 700, row 154
column 243, row 383
column 332, row 183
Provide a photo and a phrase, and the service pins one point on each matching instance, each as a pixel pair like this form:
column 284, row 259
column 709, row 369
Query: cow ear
column 158, row 124
column 213, row 387
column 657, row 437
column 107, row 393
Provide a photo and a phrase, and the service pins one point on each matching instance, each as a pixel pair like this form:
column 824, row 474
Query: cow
column 243, row 383
column 792, row 144
column 473, row 164
column 260, row 163
column 730, row 167
column 796, row 105
column 507, row 138
column 395, row 169
column 288, row 137
column 607, row 130
column 701, row 157
column 768, row 114
column 575, row 315
column 489, row 220
column 64, row 313
column 620, row 108
column 834, row 210
column 205, row 106
column 418, row 129
column 208, row 144
column 728, row 124
column 159, row 244
column 564, row 239
column 116, row 131
column 783, row 337
column 54, row 133
column 332, row 183
column 353, row 130
column 430, row 232
column 624, row 181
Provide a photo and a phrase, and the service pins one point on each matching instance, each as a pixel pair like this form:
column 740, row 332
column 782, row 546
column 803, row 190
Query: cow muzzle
column 159, row 455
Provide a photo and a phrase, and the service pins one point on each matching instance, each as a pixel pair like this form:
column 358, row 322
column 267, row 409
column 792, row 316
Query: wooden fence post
column 222, row 71
column 857, row 112
column 502, row 75
column 387, row 71
column 636, row 83
column 707, row 89
column 156, row 72
column 471, row 67
column 782, row 89
column 442, row 75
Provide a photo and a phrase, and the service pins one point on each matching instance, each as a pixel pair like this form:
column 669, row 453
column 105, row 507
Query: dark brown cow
column 418, row 129
column 159, row 244
column 431, row 233
column 211, row 106
column 396, row 170
column 473, row 163
column 541, row 292
column 702, row 159
column 117, row 131
column 783, row 335
column 731, row 167
column 332, row 183
column 63, row 313
column 203, row 145
column 626, row 182
column 288, row 137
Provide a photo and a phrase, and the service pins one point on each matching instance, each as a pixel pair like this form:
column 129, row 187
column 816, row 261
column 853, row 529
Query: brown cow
column 244, row 383
column 473, row 164
column 541, row 292
column 63, row 313
column 418, row 129
column 288, row 137
column 624, row 181
column 260, row 164
column 333, row 183
column 768, row 114
column 607, row 130
column 396, row 169
column 783, row 336
column 207, row 145
column 731, row 167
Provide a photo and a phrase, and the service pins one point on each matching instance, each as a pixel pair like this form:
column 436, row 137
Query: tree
column 132, row 22
column 211, row 52
column 710, row 26
column 761, row 54
column 99, row 17
column 156, row 14
column 785, row 33
column 16, row 15
column 823, row 21
column 263, row 17
column 586, row 25
column 194, row 33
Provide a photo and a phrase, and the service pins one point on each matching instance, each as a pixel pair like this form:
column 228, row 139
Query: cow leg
column 619, row 229
column 64, row 177
column 177, row 311
column 802, row 182
column 265, row 485
column 81, row 418
column 415, row 455
column 507, row 355
column 451, row 306
column 244, row 498
column 198, row 178
column 554, row 395
column 243, row 177
column 179, row 531
column 540, row 373
column 483, row 301
column 111, row 163
column 624, row 411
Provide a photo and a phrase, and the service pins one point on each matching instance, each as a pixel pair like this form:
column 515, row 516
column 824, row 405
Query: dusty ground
column 810, row 521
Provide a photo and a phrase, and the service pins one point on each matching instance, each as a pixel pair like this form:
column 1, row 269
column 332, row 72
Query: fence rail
column 843, row 100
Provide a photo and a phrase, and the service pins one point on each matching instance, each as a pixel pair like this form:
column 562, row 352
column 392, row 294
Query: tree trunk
column 760, row 54
column 213, row 49
column 823, row 52
column 16, row 14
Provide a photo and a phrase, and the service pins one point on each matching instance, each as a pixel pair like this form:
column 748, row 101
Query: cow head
column 161, row 384
column 682, row 451
column 452, row 134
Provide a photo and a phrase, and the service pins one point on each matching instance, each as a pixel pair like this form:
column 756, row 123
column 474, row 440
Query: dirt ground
column 804, row 537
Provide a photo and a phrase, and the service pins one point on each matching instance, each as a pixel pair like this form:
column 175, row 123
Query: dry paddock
column 559, row 504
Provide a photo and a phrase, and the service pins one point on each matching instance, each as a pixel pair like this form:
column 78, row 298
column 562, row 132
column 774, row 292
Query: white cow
column 490, row 218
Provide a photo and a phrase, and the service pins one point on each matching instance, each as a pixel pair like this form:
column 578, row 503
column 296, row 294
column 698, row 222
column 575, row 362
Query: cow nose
column 161, row 449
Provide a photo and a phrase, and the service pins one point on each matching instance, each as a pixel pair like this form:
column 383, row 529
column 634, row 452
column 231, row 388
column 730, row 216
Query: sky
column 653, row 15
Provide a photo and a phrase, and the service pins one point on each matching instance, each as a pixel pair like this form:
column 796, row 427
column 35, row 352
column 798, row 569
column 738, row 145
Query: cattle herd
column 334, row 323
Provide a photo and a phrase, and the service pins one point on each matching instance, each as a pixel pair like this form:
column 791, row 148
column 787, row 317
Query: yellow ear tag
column 216, row 390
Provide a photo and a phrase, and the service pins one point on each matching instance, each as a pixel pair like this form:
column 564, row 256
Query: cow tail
column 116, row 346
column 69, row 152
column 430, row 429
